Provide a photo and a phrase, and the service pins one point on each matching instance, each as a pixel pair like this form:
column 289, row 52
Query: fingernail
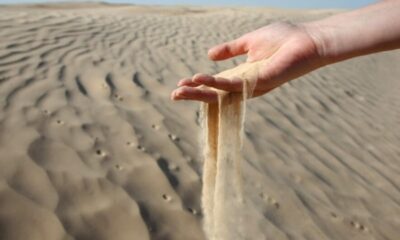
column 177, row 93
column 196, row 76
column 182, row 82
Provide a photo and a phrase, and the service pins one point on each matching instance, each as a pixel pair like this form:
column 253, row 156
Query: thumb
column 228, row 49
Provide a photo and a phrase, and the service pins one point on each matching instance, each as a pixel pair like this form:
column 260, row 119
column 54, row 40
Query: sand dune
column 91, row 147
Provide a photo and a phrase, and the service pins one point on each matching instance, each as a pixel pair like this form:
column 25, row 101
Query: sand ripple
column 91, row 147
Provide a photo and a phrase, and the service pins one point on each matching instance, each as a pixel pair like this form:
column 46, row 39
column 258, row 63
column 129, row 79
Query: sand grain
column 78, row 82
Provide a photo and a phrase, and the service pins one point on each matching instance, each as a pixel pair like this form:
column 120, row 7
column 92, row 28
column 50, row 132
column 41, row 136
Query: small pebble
column 100, row 152
column 193, row 211
column 141, row 148
column 166, row 197
column 155, row 127
column 46, row 112
column 173, row 137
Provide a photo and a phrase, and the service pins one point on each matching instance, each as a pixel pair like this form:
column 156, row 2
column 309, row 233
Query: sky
column 252, row 3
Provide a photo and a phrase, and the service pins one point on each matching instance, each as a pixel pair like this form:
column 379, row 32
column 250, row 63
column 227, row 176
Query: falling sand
column 223, row 203
column 91, row 148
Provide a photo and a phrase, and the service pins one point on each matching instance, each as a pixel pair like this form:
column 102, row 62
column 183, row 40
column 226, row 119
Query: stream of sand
column 223, row 122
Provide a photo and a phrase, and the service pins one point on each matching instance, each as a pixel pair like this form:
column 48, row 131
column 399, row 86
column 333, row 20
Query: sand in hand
column 223, row 202
column 92, row 148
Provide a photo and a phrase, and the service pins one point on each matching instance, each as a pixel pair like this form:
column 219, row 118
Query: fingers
column 229, row 85
column 187, row 82
column 228, row 49
column 189, row 88
column 193, row 93
column 204, row 94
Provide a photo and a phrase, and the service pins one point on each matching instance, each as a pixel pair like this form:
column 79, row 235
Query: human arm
column 293, row 50
column 371, row 29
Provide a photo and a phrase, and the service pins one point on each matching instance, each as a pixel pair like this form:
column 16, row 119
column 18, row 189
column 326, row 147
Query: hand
column 291, row 50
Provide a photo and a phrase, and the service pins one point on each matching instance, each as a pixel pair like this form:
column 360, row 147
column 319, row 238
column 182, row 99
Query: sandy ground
column 91, row 147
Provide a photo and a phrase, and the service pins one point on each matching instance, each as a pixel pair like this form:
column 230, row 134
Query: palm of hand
column 290, row 49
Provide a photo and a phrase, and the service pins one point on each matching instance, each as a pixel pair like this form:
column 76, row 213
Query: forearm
column 367, row 30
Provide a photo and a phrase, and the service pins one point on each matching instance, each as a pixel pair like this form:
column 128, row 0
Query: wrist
column 324, row 41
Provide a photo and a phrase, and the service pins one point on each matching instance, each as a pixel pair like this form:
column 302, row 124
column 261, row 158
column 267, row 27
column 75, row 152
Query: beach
column 92, row 147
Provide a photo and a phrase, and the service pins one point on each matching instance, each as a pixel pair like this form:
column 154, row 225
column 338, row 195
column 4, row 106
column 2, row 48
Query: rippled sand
column 91, row 147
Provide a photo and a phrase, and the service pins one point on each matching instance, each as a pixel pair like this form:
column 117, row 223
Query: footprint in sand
column 173, row 137
column 334, row 215
column 353, row 223
column 141, row 148
column 118, row 97
column 118, row 167
column 193, row 211
column 270, row 200
column 138, row 146
column 155, row 127
column 46, row 112
column 358, row 226
column 101, row 153
column 167, row 197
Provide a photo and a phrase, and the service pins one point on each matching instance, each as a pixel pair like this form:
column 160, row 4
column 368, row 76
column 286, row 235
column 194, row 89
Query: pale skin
column 294, row 50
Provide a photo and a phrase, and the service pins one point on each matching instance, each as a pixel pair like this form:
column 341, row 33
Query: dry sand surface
column 91, row 147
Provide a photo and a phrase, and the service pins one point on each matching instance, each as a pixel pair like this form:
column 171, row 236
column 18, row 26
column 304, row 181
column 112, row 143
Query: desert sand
column 91, row 147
